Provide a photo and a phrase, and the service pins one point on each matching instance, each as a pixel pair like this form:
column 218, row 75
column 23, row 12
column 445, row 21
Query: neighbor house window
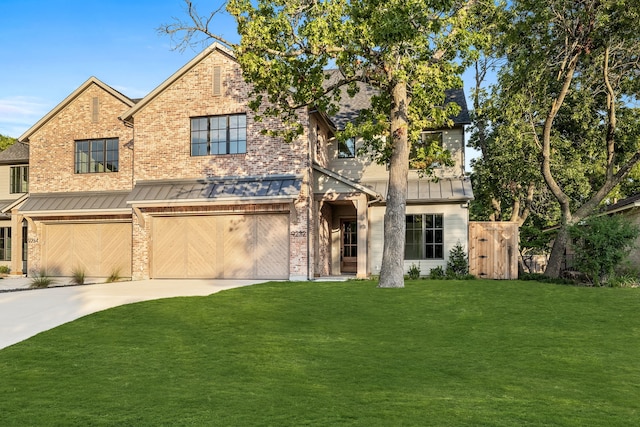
column 418, row 156
column 19, row 179
column 347, row 149
column 219, row 135
column 96, row 155
column 5, row 243
column 425, row 233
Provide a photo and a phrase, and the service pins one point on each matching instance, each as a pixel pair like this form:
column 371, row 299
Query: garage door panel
column 169, row 247
column 272, row 252
column 57, row 252
column 116, row 253
column 239, row 236
column 202, row 248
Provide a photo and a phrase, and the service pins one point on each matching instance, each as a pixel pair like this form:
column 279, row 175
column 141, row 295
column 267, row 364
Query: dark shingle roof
column 16, row 153
column 351, row 106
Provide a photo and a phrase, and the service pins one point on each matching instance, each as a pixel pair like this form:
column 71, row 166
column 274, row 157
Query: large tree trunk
column 557, row 256
column 392, row 269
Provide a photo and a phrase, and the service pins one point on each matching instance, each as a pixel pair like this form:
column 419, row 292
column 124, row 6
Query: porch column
column 363, row 232
column 16, row 242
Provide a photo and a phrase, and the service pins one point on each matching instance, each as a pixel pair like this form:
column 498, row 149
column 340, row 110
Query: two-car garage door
column 239, row 246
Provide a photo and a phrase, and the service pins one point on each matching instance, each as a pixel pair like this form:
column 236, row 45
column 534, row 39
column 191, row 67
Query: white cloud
column 19, row 113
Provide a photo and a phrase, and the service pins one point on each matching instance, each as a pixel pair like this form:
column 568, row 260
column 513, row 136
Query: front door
column 349, row 249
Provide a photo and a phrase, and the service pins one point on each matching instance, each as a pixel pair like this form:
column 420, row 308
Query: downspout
column 310, row 198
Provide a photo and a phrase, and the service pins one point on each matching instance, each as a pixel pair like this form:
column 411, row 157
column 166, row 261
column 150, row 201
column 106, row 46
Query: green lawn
column 441, row 353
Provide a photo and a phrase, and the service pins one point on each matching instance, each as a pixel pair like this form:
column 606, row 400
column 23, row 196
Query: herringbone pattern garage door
column 99, row 249
column 223, row 246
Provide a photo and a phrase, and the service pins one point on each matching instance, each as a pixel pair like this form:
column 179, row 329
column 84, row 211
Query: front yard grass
column 440, row 353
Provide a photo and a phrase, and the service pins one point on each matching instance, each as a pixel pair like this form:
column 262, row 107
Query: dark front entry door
column 349, row 249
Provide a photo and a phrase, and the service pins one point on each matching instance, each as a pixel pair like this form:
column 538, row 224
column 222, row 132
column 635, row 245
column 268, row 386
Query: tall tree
column 575, row 64
column 411, row 51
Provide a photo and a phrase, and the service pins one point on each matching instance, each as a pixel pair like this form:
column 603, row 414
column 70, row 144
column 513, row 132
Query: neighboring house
column 183, row 183
column 14, row 187
column 629, row 208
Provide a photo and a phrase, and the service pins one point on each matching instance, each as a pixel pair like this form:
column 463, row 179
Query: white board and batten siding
column 455, row 220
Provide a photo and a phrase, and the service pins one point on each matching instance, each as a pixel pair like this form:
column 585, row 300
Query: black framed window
column 219, row 135
column 97, row 155
column 347, row 149
column 19, row 179
column 424, row 237
column 5, row 243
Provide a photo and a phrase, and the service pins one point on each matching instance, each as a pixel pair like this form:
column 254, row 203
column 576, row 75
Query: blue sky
column 48, row 48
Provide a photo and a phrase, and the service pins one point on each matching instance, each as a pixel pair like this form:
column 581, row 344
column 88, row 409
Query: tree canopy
column 411, row 51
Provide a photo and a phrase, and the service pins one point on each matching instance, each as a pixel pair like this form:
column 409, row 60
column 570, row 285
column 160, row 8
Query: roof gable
column 215, row 47
column 75, row 94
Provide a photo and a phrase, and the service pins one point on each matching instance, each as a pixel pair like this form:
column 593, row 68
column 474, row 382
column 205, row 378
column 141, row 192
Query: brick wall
column 163, row 133
column 52, row 147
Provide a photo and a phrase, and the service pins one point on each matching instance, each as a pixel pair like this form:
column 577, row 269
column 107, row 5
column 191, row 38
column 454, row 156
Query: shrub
column 78, row 276
column 458, row 265
column 437, row 273
column 601, row 243
column 414, row 272
column 41, row 280
column 4, row 269
column 114, row 276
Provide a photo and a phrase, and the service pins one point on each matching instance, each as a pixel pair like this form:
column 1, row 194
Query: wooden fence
column 493, row 250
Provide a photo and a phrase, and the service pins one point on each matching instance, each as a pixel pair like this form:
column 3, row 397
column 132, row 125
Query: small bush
column 114, row 276
column 458, row 265
column 414, row 272
column 437, row 273
column 624, row 281
column 4, row 269
column 41, row 280
column 78, row 276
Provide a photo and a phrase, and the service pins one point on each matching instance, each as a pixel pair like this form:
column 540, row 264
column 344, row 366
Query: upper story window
column 19, row 179
column 347, row 149
column 219, row 135
column 425, row 237
column 97, row 155
column 418, row 157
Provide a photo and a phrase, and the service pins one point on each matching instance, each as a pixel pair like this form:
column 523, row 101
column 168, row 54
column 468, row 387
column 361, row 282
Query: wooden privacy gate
column 493, row 250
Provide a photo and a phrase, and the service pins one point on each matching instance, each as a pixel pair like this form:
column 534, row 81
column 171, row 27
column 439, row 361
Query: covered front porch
column 341, row 212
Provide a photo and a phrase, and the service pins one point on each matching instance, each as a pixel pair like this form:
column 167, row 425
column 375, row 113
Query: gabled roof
column 351, row 106
column 15, row 154
column 91, row 81
column 128, row 115
column 347, row 182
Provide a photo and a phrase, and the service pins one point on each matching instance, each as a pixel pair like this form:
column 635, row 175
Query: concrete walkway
column 25, row 313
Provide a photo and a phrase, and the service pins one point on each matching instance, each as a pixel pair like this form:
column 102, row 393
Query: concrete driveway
column 25, row 313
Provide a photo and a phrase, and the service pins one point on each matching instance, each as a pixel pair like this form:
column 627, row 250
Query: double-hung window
column 96, row 155
column 5, row 243
column 219, row 135
column 424, row 237
column 19, row 179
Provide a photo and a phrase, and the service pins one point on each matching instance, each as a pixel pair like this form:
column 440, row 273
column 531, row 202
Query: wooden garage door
column 100, row 249
column 224, row 246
